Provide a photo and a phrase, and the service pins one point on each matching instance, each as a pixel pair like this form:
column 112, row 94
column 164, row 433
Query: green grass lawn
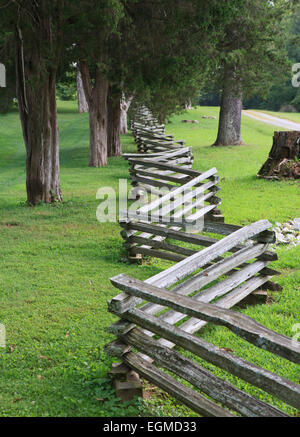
column 56, row 262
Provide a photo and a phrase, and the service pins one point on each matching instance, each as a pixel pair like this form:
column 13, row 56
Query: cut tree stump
column 283, row 160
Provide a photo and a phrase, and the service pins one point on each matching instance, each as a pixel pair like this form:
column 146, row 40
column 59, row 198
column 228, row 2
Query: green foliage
column 293, row 26
column 89, row 29
column 66, row 92
column 253, row 47
column 8, row 93
column 283, row 93
column 266, row 73
column 296, row 100
column 168, row 48
column 66, row 88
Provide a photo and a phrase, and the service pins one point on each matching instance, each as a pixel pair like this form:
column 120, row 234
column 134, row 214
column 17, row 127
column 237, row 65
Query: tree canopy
column 162, row 52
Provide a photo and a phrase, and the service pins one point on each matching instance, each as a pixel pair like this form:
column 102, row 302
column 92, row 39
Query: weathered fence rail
column 148, row 309
column 210, row 276
column 185, row 197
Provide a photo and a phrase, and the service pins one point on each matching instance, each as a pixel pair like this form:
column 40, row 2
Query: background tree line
column 279, row 94
column 162, row 53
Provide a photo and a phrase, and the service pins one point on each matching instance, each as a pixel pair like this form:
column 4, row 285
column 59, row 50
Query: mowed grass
column 56, row 262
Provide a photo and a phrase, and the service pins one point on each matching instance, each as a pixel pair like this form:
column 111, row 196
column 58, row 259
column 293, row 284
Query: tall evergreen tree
column 251, row 53
column 93, row 23
column 37, row 28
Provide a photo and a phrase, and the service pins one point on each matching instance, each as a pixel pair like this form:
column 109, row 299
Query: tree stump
column 284, row 157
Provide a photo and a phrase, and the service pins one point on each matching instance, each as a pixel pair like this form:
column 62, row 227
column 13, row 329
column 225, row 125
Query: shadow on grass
column 14, row 161
column 74, row 157
column 78, row 157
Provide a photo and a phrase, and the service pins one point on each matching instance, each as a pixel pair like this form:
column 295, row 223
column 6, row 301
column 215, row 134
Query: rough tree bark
column 125, row 105
column 284, row 157
column 188, row 105
column 83, row 106
column 114, row 124
column 38, row 113
column 229, row 132
column 96, row 95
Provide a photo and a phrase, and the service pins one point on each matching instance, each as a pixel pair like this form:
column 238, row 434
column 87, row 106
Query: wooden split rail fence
column 184, row 198
column 168, row 309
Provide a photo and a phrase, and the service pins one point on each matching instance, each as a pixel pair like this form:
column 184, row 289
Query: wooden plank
column 165, row 177
column 234, row 297
column 240, row 324
column 185, row 197
column 160, row 165
column 158, row 239
column 147, row 251
column 144, row 137
column 153, row 217
column 162, row 156
column 189, row 397
column 146, row 156
column 220, row 268
column 161, row 245
column 163, row 137
column 200, row 240
column 276, row 385
column 157, row 148
column 219, row 289
column 146, row 237
column 197, row 204
column 156, row 242
column 211, row 293
column 184, row 161
column 149, row 189
column 226, row 229
column 218, row 389
column 170, row 233
column 232, row 281
column 179, row 190
column 196, row 215
column 189, row 265
column 153, row 182
column 165, row 144
column 154, row 129
column 184, row 151
column 157, row 136
column 180, row 177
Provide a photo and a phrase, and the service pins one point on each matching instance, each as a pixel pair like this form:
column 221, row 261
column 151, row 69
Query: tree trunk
column 83, row 106
column 188, row 105
column 38, row 113
column 114, row 124
column 125, row 105
column 96, row 95
column 229, row 133
column 284, row 157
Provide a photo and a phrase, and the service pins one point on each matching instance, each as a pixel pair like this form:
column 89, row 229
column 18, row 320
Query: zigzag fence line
column 187, row 198
column 208, row 278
